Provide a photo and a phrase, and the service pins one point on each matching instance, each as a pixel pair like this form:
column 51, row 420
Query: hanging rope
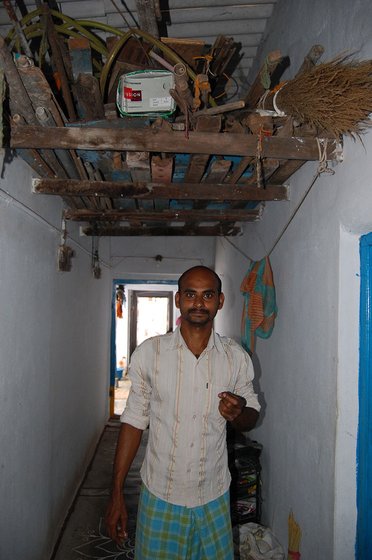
column 322, row 168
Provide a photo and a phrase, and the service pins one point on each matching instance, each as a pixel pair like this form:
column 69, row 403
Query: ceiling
column 204, row 170
column 204, row 20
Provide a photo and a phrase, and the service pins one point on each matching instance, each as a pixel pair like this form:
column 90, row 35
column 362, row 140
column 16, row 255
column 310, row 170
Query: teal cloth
column 260, row 309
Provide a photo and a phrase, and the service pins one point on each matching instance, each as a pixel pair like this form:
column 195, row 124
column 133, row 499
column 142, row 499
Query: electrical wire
column 124, row 257
column 237, row 248
column 10, row 199
column 122, row 15
column 93, row 39
column 303, row 198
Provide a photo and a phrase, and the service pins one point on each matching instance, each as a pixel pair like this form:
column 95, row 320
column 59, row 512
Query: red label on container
column 132, row 94
column 136, row 95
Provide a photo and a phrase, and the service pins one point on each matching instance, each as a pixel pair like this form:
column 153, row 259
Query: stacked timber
column 203, row 169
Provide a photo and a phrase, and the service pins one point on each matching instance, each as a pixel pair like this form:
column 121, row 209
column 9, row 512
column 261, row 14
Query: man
column 185, row 385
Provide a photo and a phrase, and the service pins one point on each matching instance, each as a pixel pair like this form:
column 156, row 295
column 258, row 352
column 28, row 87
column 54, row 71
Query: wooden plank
column 181, row 191
column 240, row 168
column 48, row 156
column 268, row 167
column 285, row 171
column 36, row 162
column 209, row 231
column 80, row 56
column 188, row 50
column 287, row 168
column 198, row 162
column 18, row 97
column 139, row 166
column 161, row 169
column 57, row 59
column 195, row 171
column 88, row 98
column 258, row 88
column 218, row 171
column 161, row 172
column 311, row 59
column 219, row 168
column 27, row 136
column 65, row 163
column 203, row 215
column 147, row 17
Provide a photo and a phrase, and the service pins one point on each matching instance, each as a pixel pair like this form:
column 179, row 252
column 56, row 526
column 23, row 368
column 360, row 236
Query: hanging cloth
column 119, row 308
column 259, row 310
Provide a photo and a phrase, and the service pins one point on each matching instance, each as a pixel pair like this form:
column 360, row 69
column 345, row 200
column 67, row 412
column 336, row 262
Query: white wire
column 10, row 199
column 277, row 110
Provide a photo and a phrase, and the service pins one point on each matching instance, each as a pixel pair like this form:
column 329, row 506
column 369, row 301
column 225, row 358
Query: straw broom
column 334, row 96
column 294, row 538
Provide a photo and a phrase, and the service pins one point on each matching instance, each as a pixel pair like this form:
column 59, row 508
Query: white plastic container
column 145, row 92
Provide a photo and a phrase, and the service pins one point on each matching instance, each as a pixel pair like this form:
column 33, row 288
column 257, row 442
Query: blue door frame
column 364, row 447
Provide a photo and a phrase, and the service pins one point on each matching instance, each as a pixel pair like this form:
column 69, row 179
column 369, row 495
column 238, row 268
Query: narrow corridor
column 83, row 536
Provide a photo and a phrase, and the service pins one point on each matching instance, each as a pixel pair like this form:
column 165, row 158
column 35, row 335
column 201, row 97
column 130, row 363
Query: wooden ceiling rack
column 139, row 177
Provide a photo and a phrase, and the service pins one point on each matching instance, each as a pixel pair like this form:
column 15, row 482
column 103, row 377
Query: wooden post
column 58, row 61
column 19, row 100
column 147, row 17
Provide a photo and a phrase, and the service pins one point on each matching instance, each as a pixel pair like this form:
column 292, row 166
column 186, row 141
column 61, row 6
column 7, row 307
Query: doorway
column 151, row 313
column 141, row 309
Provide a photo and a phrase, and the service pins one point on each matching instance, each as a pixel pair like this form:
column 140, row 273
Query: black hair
column 217, row 278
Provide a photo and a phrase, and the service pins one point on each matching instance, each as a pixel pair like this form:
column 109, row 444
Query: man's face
column 198, row 299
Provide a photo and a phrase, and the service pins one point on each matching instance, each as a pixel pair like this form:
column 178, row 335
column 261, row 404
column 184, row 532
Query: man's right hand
column 116, row 519
column 116, row 514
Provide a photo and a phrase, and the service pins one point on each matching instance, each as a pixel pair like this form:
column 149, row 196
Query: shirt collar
column 176, row 340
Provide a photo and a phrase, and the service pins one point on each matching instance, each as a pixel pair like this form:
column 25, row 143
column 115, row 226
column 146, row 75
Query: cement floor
column 121, row 395
column 83, row 536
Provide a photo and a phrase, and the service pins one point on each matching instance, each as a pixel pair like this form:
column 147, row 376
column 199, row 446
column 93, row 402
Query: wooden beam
column 181, row 191
column 198, row 162
column 217, row 172
column 286, row 170
column 260, row 182
column 240, row 168
column 27, row 136
column 258, row 87
column 209, row 231
column 19, row 100
column 202, row 215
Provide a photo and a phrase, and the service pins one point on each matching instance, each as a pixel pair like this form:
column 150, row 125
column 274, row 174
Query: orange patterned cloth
column 260, row 309
column 119, row 308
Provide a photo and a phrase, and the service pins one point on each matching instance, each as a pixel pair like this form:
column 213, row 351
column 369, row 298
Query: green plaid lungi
column 170, row 532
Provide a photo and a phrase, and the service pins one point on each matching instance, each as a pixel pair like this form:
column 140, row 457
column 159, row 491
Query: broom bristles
column 335, row 96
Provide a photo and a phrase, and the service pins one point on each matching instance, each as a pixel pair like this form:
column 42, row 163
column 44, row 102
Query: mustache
column 196, row 310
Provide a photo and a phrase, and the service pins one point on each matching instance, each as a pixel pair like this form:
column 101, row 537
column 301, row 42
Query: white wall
column 54, row 334
column 134, row 257
column 54, row 354
column 308, row 369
